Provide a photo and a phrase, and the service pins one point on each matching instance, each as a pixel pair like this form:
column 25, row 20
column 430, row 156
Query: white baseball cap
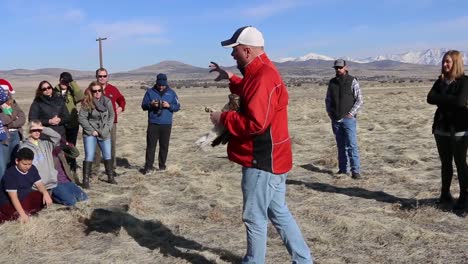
column 245, row 35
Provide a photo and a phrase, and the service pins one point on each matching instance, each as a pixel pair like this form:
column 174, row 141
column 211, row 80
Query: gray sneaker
column 160, row 170
column 146, row 172
column 356, row 175
column 340, row 174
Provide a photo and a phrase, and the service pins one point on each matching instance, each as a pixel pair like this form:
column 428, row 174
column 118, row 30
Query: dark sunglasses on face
column 46, row 88
column 102, row 76
column 338, row 68
column 95, row 91
column 35, row 130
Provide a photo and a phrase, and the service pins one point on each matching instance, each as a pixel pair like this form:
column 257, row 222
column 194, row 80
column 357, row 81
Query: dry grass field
column 192, row 212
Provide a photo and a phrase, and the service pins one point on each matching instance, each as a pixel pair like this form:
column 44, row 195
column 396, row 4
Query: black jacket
column 452, row 109
column 45, row 108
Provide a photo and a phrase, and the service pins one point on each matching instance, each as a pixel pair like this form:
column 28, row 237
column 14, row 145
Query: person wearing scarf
column 96, row 117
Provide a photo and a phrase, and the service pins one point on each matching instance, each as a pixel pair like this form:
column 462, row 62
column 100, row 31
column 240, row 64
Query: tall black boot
column 86, row 172
column 109, row 171
column 445, row 196
column 462, row 202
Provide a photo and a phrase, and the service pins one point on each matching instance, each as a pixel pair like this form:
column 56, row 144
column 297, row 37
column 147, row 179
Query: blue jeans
column 346, row 141
column 68, row 193
column 7, row 151
column 90, row 143
column 264, row 198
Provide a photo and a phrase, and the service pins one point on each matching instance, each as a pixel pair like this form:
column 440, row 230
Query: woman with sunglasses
column 49, row 108
column 450, row 94
column 96, row 117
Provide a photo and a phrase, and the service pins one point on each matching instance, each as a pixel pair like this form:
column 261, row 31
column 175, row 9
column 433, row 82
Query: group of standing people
column 49, row 150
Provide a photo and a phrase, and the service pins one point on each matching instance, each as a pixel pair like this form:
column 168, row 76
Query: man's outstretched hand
column 223, row 74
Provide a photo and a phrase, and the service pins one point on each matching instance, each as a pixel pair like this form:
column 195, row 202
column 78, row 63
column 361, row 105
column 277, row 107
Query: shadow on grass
column 380, row 196
column 123, row 162
column 152, row 235
column 312, row 167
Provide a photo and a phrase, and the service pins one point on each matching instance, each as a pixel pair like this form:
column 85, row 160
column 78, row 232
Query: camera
column 158, row 105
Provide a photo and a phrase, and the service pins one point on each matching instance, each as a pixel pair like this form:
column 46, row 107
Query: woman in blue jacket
column 161, row 102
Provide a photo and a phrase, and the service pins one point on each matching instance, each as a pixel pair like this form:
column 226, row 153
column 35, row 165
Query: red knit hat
column 6, row 86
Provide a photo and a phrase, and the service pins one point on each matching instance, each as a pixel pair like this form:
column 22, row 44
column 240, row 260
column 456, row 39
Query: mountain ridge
column 425, row 57
column 316, row 68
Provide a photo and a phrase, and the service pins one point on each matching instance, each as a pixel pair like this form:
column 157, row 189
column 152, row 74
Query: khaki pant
column 97, row 154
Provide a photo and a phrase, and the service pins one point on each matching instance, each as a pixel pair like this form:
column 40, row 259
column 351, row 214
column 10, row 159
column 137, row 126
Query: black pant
column 453, row 148
column 154, row 134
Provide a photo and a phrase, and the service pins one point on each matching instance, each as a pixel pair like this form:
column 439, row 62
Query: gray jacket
column 102, row 122
column 43, row 159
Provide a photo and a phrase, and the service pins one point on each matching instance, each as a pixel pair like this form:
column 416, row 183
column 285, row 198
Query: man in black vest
column 343, row 102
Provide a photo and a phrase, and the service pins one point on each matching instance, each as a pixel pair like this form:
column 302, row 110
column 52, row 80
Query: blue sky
column 50, row 33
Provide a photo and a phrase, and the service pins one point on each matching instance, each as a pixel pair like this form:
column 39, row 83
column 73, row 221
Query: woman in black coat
column 49, row 109
column 450, row 128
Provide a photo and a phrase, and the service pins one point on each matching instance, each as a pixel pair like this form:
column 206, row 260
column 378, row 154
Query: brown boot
column 109, row 171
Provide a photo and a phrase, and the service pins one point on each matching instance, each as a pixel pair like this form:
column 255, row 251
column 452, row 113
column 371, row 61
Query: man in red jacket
column 118, row 103
column 260, row 143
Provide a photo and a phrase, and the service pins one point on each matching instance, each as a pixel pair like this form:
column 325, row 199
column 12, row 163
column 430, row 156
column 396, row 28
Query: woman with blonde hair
column 450, row 127
column 96, row 116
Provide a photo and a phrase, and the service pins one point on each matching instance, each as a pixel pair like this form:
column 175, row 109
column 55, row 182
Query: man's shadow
column 380, row 196
column 406, row 203
column 152, row 235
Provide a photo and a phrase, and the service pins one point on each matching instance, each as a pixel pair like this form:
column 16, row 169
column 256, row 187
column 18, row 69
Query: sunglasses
column 102, row 76
column 35, row 130
column 46, row 88
column 338, row 67
column 95, row 91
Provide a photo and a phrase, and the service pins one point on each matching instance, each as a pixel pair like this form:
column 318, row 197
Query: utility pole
column 100, row 50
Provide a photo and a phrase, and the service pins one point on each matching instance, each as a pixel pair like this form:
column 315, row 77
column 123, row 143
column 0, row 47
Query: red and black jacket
column 259, row 131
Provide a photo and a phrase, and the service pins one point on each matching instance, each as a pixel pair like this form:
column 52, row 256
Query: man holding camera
column 161, row 102
column 69, row 90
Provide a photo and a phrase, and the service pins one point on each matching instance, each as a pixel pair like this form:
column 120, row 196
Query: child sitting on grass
column 17, row 198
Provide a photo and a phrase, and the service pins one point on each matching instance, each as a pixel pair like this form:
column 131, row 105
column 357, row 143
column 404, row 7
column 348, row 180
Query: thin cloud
column 127, row 29
column 458, row 23
column 360, row 28
column 270, row 9
column 74, row 15
column 153, row 40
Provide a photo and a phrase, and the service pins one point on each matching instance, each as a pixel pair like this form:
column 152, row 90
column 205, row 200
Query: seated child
column 17, row 198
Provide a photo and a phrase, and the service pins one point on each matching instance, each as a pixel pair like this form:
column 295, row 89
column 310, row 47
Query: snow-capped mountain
column 428, row 57
column 310, row 56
